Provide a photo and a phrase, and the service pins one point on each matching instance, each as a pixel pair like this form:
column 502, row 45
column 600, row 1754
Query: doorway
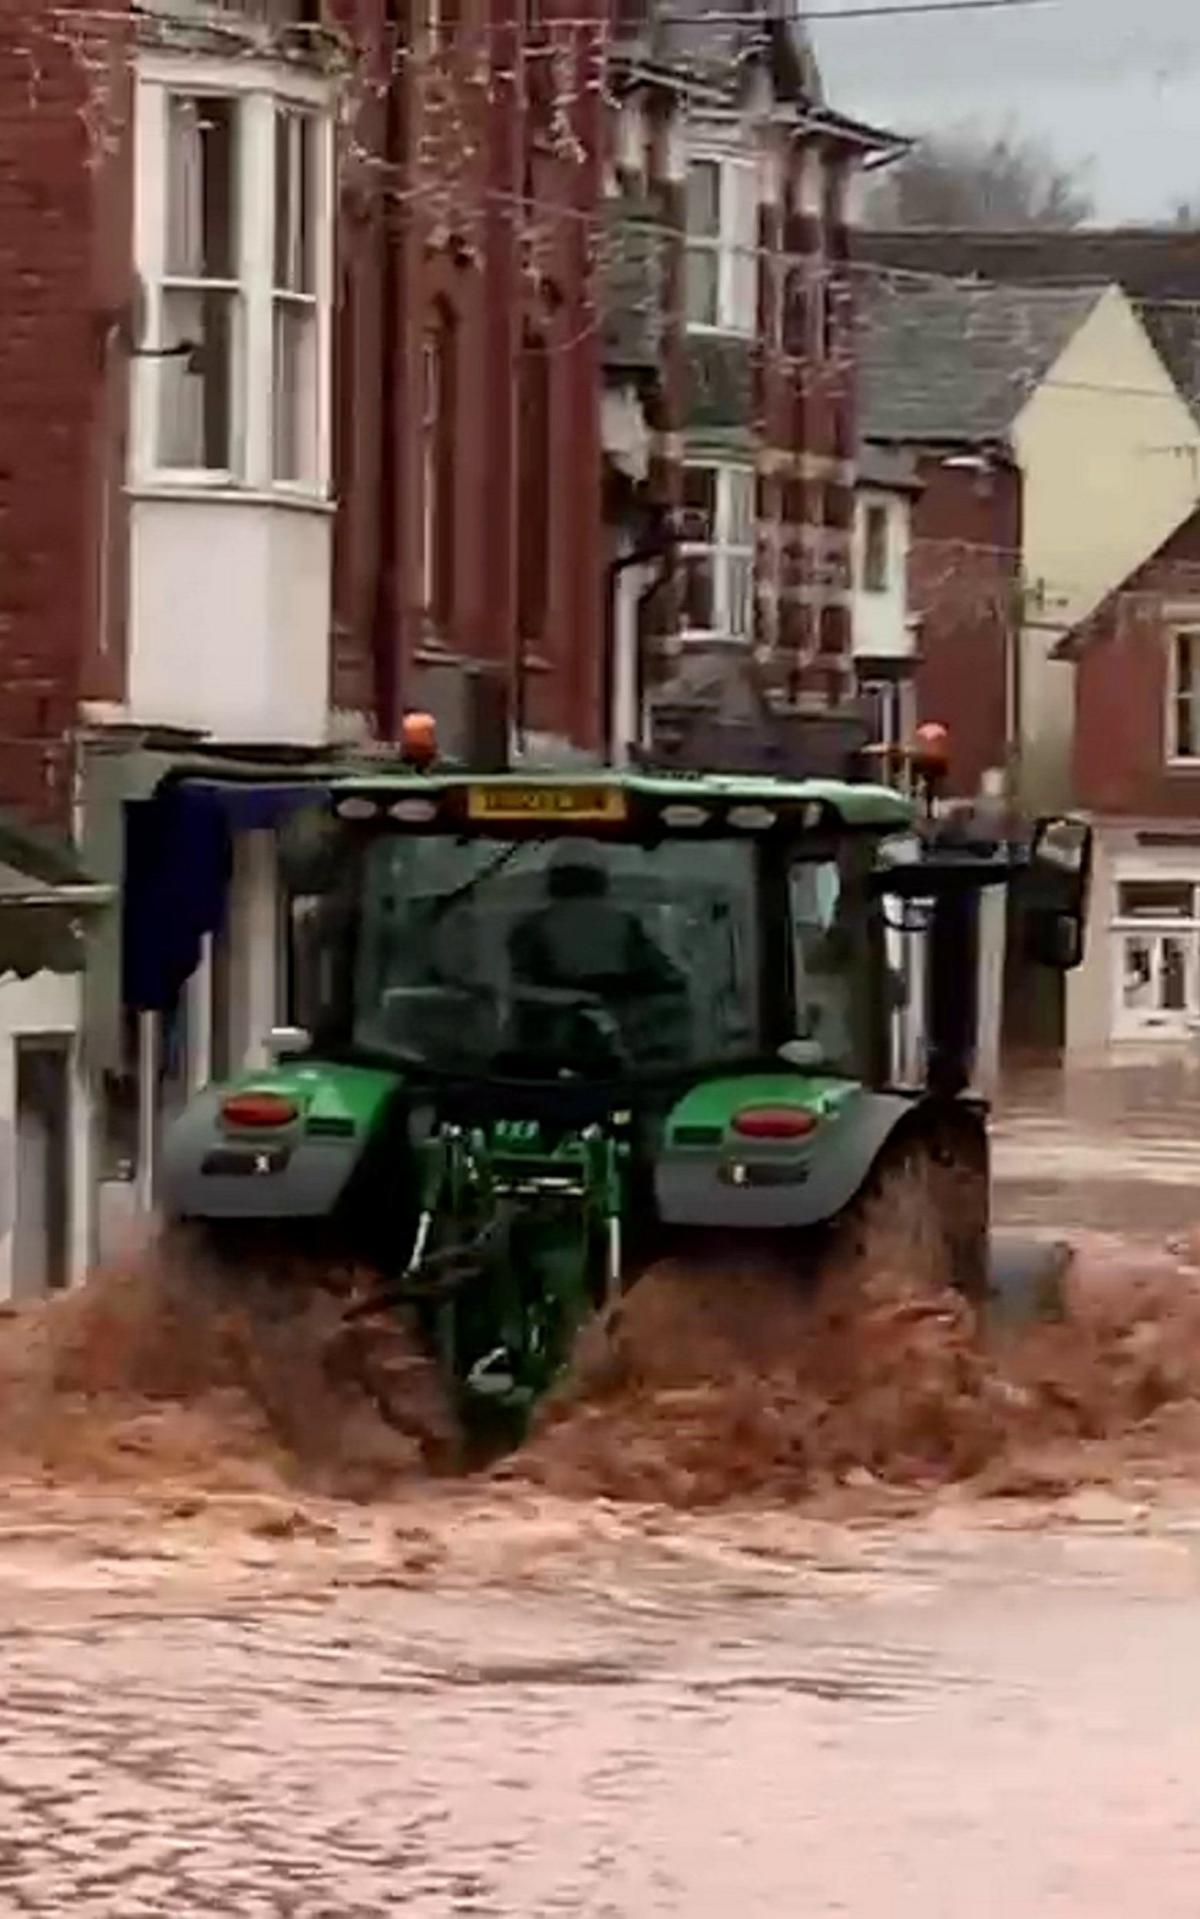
column 41, row 1236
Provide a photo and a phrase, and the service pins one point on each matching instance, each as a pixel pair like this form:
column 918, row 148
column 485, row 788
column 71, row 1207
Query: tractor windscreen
column 535, row 957
column 603, row 958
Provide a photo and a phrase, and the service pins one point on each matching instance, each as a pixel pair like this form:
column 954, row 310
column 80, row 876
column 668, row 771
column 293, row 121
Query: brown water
column 879, row 1621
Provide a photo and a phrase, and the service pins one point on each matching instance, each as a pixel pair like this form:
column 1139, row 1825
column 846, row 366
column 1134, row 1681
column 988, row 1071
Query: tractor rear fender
column 303, row 1171
column 745, row 1186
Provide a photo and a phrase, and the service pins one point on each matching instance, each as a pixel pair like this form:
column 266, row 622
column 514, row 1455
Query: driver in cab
column 582, row 941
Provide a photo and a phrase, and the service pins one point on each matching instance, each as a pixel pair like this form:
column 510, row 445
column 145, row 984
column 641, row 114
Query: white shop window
column 234, row 245
column 1156, row 957
column 717, row 551
column 722, row 244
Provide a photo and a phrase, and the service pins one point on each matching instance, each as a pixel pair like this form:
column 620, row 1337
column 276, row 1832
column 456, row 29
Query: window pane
column 703, row 282
column 741, row 239
column 1155, row 899
column 1173, row 995
column 739, row 575
column 1137, row 982
column 195, row 395
column 875, row 550
column 704, row 199
column 740, row 494
column 699, row 596
column 700, row 504
column 881, row 702
column 201, row 237
column 294, row 152
column 295, row 390
column 1187, row 695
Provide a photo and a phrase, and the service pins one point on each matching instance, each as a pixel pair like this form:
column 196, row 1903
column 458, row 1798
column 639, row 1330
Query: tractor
column 552, row 1026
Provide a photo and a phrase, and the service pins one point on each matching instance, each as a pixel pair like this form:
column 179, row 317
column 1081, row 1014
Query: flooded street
column 503, row 1702
column 756, row 1714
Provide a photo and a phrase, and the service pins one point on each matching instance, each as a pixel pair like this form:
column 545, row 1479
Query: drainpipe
column 623, row 675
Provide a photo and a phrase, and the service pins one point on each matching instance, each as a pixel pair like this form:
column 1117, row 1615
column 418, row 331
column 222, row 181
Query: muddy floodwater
column 499, row 1700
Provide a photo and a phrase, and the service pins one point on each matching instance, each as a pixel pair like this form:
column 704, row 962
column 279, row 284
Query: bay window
column 234, row 232
column 722, row 244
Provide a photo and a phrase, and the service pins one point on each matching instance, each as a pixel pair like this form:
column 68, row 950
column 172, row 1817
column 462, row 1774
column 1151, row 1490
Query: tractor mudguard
column 297, row 1170
column 775, row 1184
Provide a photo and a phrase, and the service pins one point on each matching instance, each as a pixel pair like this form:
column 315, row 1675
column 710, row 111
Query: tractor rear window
column 536, row 957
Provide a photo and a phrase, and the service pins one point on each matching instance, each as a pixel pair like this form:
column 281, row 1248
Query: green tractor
column 552, row 1026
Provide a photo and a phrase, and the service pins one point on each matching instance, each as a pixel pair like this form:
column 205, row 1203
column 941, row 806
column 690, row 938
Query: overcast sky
column 1112, row 84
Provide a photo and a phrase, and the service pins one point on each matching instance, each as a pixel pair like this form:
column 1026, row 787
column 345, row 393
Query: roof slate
column 956, row 362
column 1158, row 266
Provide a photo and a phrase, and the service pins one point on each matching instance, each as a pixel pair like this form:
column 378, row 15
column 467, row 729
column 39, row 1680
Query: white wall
column 1110, row 456
column 229, row 616
column 881, row 629
column 50, row 1003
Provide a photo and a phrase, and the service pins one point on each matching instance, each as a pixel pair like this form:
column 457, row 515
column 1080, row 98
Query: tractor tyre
column 930, row 1189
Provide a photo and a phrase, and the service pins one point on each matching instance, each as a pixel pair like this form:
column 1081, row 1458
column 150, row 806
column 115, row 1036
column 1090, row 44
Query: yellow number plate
column 546, row 803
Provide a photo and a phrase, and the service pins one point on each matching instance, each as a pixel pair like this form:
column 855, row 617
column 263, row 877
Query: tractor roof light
column 418, row 739
column 774, row 1122
column 254, row 1110
column 930, row 751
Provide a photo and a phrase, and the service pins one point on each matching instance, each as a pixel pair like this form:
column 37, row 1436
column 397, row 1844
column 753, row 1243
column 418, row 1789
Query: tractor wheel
column 930, row 1191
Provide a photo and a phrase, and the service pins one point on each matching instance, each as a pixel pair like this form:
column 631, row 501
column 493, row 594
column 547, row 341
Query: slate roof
column 955, row 363
column 1157, row 266
column 709, row 46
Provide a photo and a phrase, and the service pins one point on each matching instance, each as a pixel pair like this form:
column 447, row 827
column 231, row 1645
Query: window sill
column 223, row 493
column 706, row 330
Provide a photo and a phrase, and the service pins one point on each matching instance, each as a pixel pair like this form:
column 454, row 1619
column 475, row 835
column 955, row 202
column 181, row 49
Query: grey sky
column 1114, row 84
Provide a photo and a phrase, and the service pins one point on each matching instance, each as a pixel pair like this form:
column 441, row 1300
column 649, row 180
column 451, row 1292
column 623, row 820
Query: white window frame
column 261, row 90
column 1182, row 629
column 893, row 701
column 728, row 555
column 735, row 242
column 1153, row 925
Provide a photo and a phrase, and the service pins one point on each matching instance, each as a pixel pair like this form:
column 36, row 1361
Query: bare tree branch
column 1001, row 181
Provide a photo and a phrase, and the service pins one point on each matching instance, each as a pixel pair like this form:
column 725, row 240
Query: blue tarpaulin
column 178, row 865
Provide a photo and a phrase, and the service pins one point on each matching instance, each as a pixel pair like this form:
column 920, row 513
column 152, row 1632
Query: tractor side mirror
column 1055, row 893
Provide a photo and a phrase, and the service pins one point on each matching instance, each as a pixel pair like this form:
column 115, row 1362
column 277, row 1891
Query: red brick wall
column 1121, row 689
column 965, row 568
column 61, row 288
column 504, row 247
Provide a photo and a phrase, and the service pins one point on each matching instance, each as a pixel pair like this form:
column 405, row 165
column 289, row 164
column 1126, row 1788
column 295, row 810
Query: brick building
column 1137, row 775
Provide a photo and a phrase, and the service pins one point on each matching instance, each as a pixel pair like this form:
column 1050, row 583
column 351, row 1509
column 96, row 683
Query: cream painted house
column 1066, row 384
column 1063, row 390
column 1110, row 456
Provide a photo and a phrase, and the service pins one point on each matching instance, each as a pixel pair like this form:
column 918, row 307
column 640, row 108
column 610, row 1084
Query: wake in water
column 230, row 1380
column 715, row 1383
column 722, row 1384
